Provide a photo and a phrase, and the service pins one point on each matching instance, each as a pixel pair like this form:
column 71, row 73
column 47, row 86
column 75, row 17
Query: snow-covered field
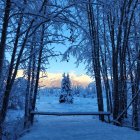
column 74, row 127
column 51, row 104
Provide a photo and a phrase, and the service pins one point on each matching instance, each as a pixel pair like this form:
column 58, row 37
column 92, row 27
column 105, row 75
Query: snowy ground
column 51, row 104
column 74, row 127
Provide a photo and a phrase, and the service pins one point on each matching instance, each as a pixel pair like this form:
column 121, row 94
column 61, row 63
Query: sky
column 55, row 70
column 66, row 67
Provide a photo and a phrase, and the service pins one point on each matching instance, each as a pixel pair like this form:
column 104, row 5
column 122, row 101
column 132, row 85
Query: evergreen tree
column 66, row 91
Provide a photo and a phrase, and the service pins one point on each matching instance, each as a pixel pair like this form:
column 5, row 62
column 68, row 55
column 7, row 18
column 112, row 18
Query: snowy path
column 76, row 127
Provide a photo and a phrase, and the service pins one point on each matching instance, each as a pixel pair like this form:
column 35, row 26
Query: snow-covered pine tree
column 66, row 91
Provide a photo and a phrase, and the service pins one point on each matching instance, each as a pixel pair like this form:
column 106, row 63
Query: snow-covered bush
column 17, row 96
column 66, row 91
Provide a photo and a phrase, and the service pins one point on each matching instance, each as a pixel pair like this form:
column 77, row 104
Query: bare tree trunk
column 127, row 27
column 10, row 81
column 111, row 22
column 38, row 72
column 27, row 97
column 132, row 81
column 95, row 56
column 115, row 55
column 4, row 34
column 104, row 67
column 106, row 83
column 33, row 59
column 137, row 81
column 13, row 58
